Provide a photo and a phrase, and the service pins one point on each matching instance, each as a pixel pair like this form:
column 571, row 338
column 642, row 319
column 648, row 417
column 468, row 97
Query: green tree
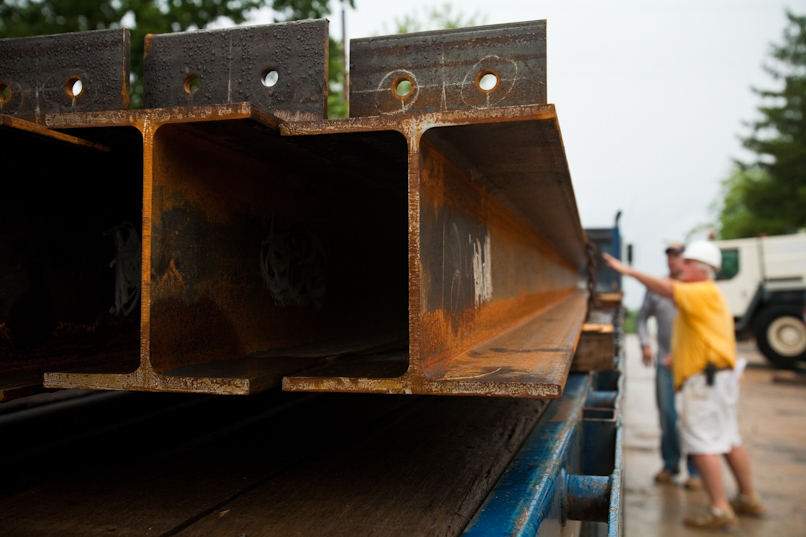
column 19, row 18
column 337, row 106
column 768, row 195
column 748, row 202
column 294, row 10
column 436, row 18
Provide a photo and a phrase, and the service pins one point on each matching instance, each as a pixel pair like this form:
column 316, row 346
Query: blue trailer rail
column 607, row 240
column 568, row 472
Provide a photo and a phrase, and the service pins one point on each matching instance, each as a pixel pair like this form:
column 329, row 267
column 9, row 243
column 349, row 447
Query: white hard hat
column 705, row 251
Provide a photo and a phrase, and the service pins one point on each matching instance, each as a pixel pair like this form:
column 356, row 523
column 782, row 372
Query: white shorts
column 709, row 423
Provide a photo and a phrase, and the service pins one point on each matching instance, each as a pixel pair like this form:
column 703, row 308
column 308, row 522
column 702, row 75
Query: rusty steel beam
column 495, row 243
column 178, row 146
column 429, row 252
column 73, row 72
column 281, row 68
column 495, row 247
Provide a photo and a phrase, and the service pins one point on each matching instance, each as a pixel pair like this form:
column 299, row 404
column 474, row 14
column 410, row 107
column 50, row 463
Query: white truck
column 764, row 281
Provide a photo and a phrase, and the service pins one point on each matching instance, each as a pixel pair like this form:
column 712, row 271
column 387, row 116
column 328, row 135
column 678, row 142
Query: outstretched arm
column 661, row 286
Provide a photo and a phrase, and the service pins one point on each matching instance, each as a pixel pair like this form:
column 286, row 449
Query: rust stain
column 196, row 172
column 35, row 128
column 172, row 282
column 412, row 385
column 445, row 337
column 124, row 90
column 446, row 185
column 147, row 129
column 190, row 332
column 414, row 258
column 149, row 44
column 146, row 380
column 414, row 124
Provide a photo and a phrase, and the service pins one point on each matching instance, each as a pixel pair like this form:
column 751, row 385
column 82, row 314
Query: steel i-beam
column 223, row 195
column 429, row 244
column 494, row 239
column 70, row 206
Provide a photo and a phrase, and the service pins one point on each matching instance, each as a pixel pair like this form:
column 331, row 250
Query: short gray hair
column 707, row 268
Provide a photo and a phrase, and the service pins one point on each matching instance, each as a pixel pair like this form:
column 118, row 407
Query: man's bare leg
column 739, row 463
column 711, row 473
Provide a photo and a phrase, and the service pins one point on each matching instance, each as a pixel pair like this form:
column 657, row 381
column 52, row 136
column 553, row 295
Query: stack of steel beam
column 428, row 244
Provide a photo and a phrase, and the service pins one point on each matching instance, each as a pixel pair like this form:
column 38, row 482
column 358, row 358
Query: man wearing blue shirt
column 665, row 312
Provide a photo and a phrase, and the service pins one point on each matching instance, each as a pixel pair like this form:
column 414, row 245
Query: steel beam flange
column 461, row 69
column 282, row 68
column 74, row 72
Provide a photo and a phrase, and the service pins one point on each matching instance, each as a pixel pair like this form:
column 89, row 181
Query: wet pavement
column 772, row 422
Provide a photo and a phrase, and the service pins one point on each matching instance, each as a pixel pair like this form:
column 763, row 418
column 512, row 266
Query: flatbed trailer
column 119, row 463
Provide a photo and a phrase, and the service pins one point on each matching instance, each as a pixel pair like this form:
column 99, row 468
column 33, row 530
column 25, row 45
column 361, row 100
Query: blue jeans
column 670, row 439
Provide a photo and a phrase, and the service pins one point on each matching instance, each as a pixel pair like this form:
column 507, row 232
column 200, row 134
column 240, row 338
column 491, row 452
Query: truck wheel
column 781, row 335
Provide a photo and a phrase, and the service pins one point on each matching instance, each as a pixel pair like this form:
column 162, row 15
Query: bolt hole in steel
column 192, row 84
column 73, row 87
column 403, row 87
column 488, row 81
column 787, row 336
column 270, row 78
column 5, row 93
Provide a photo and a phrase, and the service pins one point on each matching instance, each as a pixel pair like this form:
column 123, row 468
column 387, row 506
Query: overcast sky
column 650, row 95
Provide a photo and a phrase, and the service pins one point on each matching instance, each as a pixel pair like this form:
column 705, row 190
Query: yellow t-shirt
column 703, row 330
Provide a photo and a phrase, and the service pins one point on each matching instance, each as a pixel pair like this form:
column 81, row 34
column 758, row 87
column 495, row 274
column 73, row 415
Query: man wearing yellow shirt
column 703, row 356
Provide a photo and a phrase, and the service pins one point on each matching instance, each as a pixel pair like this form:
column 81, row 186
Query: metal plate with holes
column 463, row 69
column 279, row 67
column 75, row 72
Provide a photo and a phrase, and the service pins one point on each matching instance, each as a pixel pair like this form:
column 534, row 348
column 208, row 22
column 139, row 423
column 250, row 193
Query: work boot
column 714, row 519
column 665, row 476
column 748, row 505
column 693, row 483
